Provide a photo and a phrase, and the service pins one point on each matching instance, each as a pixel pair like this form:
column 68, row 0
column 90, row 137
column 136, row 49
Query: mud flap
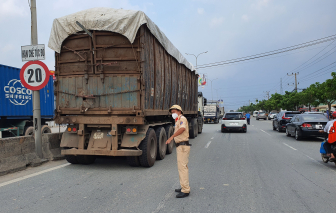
column 69, row 140
column 130, row 140
column 100, row 140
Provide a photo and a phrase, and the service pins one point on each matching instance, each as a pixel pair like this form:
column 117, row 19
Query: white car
column 234, row 121
column 271, row 115
column 255, row 113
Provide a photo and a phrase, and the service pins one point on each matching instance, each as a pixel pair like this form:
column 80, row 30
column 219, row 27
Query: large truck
column 117, row 76
column 16, row 105
column 211, row 112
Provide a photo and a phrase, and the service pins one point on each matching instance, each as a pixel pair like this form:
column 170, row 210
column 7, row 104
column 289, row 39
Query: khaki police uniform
column 182, row 152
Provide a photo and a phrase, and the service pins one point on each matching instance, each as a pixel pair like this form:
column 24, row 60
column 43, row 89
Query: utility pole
column 281, row 86
column 211, row 87
column 267, row 94
column 296, row 83
column 36, row 93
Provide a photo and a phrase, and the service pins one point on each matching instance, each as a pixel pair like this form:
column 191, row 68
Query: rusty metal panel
column 116, row 91
column 167, row 82
column 75, row 56
column 108, row 74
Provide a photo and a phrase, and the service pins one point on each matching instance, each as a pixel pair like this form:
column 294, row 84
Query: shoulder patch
column 181, row 123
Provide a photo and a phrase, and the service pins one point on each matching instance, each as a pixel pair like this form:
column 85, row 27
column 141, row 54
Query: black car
column 282, row 118
column 306, row 125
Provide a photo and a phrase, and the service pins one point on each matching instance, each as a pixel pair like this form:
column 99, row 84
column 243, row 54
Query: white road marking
column 252, row 125
column 207, row 145
column 265, row 132
column 289, row 146
column 212, row 138
column 166, row 197
column 33, row 175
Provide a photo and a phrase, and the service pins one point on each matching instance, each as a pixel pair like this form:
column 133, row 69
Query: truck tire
column 200, row 128
column 149, row 148
column 161, row 139
column 45, row 129
column 133, row 161
column 71, row 159
column 193, row 128
column 169, row 132
column 86, row 159
column 29, row 131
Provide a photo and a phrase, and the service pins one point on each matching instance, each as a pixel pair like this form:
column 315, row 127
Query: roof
column 124, row 22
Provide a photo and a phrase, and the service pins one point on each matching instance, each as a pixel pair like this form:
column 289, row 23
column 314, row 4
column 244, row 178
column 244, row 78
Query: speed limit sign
column 34, row 75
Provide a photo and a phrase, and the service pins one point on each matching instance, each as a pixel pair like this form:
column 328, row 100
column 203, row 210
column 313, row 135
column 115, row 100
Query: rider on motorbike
column 329, row 128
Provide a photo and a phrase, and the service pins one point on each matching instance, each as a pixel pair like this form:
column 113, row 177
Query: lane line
column 289, row 146
column 166, row 197
column 265, row 132
column 32, row 175
column 207, row 145
column 212, row 138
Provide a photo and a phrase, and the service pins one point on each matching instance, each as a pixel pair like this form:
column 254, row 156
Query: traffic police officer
column 181, row 137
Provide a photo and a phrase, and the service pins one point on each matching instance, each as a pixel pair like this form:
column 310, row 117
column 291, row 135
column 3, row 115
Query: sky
column 226, row 29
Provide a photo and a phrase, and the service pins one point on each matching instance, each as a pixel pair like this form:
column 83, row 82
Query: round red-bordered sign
column 34, row 75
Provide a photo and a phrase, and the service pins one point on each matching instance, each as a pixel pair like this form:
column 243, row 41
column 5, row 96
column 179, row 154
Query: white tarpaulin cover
column 125, row 22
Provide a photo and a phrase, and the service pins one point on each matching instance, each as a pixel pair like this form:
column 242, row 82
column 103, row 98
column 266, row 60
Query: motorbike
column 325, row 157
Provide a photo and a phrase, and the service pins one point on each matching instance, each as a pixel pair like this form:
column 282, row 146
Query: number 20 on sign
column 34, row 75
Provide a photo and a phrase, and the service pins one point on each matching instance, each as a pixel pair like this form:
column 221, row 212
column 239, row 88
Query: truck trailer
column 117, row 76
column 16, row 104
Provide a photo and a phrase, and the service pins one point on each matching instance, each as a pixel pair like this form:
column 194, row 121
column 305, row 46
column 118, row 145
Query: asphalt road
column 258, row 171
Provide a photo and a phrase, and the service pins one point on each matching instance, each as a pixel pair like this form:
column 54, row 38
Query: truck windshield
column 210, row 109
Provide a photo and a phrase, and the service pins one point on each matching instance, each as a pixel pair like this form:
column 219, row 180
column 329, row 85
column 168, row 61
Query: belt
column 185, row 143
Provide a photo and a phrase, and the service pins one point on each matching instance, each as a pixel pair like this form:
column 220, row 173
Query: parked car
column 306, row 125
column 255, row 113
column 261, row 115
column 271, row 115
column 321, row 113
column 282, row 118
column 234, row 121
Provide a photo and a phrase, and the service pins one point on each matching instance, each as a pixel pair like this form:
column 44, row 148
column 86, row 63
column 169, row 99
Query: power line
column 314, row 55
column 274, row 52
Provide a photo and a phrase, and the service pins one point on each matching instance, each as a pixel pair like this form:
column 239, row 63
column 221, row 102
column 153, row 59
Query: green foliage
column 315, row 94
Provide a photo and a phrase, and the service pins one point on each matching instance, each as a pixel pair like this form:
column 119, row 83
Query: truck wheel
column 200, row 128
column 161, row 139
column 133, row 161
column 196, row 127
column 169, row 132
column 86, row 159
column 71, row 159
column 192, row 129
column 148, row 147
column 45, row 129
column 29, row 131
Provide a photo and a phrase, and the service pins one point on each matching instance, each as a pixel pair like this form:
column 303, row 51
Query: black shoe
column 178, row 190
column 182, row 195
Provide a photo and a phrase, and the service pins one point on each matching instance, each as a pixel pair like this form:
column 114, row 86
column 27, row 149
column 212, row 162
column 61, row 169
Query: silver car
column 234, row 121
column 261, row 115
column 271, row 115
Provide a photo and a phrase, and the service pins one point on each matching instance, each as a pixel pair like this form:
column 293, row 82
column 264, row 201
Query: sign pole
column 36, row 93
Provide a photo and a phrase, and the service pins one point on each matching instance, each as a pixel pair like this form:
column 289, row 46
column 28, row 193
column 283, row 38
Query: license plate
column 318, row 126
column 234, row 124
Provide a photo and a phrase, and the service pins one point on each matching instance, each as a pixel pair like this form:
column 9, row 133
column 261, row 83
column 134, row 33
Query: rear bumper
column 121, row 152
column 312, row 133
column 237, row 128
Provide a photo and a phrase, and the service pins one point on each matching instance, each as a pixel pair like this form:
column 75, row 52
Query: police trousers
column 182, row 153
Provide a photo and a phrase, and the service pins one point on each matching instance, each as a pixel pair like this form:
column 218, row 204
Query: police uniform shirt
column 181, row 122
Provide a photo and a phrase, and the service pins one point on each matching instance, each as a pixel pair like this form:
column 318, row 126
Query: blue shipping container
column 16, row 101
